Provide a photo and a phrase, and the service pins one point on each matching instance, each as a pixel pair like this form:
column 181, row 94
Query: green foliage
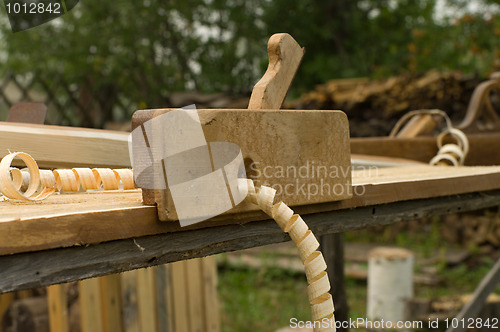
column 142, row 43
column 145, row 49
column 263, row 300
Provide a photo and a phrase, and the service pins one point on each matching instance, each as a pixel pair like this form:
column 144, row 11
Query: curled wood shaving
column 34, row 184
column 448, row 154
column 314, row 263
column 451, row 154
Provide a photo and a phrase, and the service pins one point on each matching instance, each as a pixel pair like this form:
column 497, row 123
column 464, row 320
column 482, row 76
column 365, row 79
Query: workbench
column 77, row 236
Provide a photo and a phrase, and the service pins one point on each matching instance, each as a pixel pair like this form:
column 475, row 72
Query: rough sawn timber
column 93, row 217
column 28, row 270
column 56, row 146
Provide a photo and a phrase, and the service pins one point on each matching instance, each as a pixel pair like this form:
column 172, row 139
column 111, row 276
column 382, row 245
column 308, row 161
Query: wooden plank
column 111, row 303
column 37, row 269
column 416, row 126
column 179, row 301
column 25, row 294
column 90, row 305
column 76, row 219
column 363, row 160
column 483, row 148
column 210, row 295
column 476, row 303
column 162, row 309
column 6, row 300
column 58, row 308
column 194, row 295
column 168, row 298
column 129, row 301
column 146, row 299
column 55, row 146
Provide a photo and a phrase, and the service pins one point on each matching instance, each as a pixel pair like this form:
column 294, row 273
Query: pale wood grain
column 146, row 299
column 111, row 303
column 42, row 268
column 210, row 295
column 76, row 219
column 285, row 56
column 483, row 148
column 90, row 305
column 55, row 146
column 273, row 142
column 58, row 308
column 5, row 302
column 179, row 301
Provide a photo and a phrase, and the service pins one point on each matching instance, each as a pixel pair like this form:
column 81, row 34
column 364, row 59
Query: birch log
column 390, row 283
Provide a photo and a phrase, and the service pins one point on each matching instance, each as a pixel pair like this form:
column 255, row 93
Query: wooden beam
column 89, row 296
column 57, row 147
column 416, row 126
column 129, row 301
column 476, row 303
column 210, row 296
column 179, row 301
column 85, row 218
column 36, row 269
column 194, row 295
column 5, row 302
column 111, row 303
column 146, row 299
column 58, row 308
column 483, row 148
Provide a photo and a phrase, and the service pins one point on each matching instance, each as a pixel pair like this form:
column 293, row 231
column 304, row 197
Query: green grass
column 263, row 300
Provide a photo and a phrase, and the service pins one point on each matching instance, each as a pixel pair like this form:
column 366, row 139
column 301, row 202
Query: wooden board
column 57, row 147
column 179, row 301
column 58, row 308
column 361, row 161
column 91, row 314
column 79, row 219
column 111, row 303
column 483, row 148
column 146, row 299
column 6, row 300
column 192, row 295
column 274, row 144
column 46, row 267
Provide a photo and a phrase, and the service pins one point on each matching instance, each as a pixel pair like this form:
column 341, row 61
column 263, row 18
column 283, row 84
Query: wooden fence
column 86, row 103
column 180, row 296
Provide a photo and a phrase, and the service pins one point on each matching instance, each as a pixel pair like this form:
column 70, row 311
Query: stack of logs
column 373, row 106
column 476, row 229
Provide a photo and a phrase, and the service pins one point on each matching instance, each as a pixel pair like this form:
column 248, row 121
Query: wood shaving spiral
column 40, row 184
column 314, row 263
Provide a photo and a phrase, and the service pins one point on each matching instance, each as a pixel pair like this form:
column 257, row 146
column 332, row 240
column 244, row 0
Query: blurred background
column 102, row 61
